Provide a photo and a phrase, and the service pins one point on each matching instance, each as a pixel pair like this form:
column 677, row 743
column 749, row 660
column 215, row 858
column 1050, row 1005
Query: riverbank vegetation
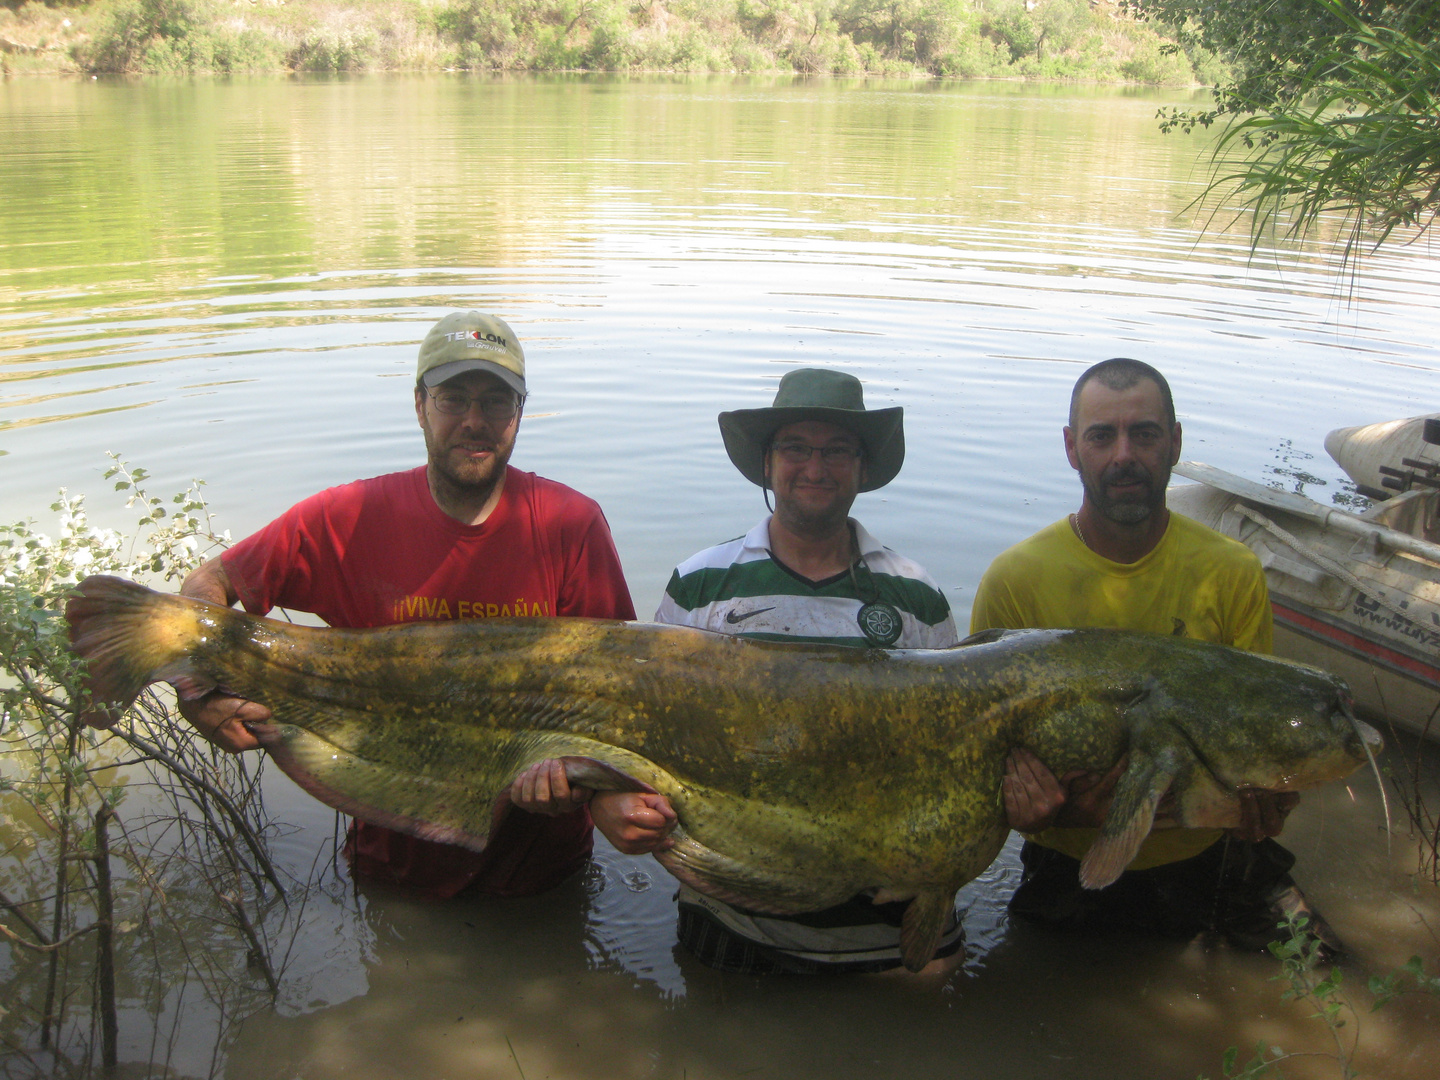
column 138, row 898
column 1332, row 110
column 1047, row 39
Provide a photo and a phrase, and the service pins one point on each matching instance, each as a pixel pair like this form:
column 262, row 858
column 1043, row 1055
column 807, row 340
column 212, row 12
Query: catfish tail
column 129, row 637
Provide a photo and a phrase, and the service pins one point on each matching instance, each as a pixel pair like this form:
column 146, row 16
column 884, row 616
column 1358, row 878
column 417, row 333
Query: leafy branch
column 1343, row 122
column 117, row 844
column 1301, row 955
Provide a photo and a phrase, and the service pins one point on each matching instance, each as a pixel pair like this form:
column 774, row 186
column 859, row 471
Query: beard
column 815, row 516
column 471, row 476
column 1132, row 507
column 467, row 478
column 805, row 522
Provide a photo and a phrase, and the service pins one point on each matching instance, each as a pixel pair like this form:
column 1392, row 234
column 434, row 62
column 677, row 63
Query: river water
column 227, row 279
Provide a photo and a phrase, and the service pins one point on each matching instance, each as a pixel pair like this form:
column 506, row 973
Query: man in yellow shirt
column 1124, row 561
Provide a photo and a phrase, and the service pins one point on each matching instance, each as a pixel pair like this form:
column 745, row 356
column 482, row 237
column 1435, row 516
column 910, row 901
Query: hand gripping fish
column 802, row 775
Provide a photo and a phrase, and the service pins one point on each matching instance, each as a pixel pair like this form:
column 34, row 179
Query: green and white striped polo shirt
column 738, row 588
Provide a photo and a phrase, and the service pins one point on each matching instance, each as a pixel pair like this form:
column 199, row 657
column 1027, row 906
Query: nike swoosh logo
column 733, row 616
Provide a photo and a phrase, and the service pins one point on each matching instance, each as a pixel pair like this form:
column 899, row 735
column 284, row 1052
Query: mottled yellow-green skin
column 801, row 774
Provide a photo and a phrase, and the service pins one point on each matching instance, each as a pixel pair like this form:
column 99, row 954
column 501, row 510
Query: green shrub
column 134, row 862
column 1016, row 29
column 973, row 58
column 152, row 35
column 611, row 48
column 1150, row 63
column 746, row 55
column 845, row 58
column 330, row 49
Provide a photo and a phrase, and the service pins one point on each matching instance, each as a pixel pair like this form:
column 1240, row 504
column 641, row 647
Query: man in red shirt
column 465, row 536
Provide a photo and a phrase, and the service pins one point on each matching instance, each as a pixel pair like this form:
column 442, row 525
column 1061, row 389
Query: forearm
column 209, row 581
column 219, row 716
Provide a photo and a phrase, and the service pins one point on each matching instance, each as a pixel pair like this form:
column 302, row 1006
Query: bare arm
column 219, row 716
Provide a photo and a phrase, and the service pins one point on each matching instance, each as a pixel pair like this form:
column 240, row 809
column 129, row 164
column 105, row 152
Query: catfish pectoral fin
column 923, row 923
column 1132, row 813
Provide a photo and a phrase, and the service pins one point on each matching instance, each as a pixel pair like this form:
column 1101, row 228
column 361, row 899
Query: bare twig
column 105, row 941
column 48, row 1018
column 258, row 952
column 46, row 947
column 237, row 818
column 19, row 912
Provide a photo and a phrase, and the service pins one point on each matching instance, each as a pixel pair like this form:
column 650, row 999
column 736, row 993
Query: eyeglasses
column 798, row 453
column 496, row 405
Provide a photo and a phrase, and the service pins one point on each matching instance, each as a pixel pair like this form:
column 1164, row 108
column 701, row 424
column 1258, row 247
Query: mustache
column 1127, row 474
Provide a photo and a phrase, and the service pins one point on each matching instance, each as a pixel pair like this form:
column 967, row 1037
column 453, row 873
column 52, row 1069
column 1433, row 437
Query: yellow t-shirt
column 1196, row 583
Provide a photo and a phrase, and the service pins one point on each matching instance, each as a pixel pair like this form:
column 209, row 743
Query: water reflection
column 632, row 916
column 228, row 278
column 585, row 982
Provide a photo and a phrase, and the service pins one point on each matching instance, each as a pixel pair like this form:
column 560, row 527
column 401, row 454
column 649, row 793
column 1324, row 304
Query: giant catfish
column 802, row 775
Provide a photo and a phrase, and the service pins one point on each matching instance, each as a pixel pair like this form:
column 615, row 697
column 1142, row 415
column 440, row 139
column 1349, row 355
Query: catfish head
column 1213, row 723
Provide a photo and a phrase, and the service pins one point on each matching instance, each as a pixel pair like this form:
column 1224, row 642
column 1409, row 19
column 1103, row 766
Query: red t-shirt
column 379, row 552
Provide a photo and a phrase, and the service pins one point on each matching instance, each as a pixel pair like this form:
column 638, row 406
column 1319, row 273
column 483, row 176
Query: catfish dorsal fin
column 921, row 927
column 1132, row 813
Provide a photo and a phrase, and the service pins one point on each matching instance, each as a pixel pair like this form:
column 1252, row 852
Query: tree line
column 1054, row 39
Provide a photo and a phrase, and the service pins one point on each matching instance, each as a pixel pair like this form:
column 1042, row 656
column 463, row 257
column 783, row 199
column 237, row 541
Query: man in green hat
column 809, row 572
column 463, row 536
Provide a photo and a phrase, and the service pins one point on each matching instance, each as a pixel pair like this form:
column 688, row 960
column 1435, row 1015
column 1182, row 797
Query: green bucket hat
column 817, row 394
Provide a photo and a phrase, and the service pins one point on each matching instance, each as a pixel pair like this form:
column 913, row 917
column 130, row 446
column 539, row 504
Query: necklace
column 879, row 620
column 1075, row 524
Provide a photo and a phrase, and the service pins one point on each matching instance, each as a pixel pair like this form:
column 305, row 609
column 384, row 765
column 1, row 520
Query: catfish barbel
column 802, row 775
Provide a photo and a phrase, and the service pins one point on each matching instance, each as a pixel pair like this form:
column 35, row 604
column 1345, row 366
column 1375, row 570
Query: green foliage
column 1355, row 131
column 973, row 58
column 130, row 859
column 173, row 36
column 1014, row 26
column 331, row 49
column 1408, row 979
column 1151, row 62
column 916, row 31
column 1265, row 42
column 1042, row 29
column 1301, row 954
column 1046, row 38
column 483, row 29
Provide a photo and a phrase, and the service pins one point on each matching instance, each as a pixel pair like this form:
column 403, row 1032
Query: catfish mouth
column 1360, row 743
column 1208, row 799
